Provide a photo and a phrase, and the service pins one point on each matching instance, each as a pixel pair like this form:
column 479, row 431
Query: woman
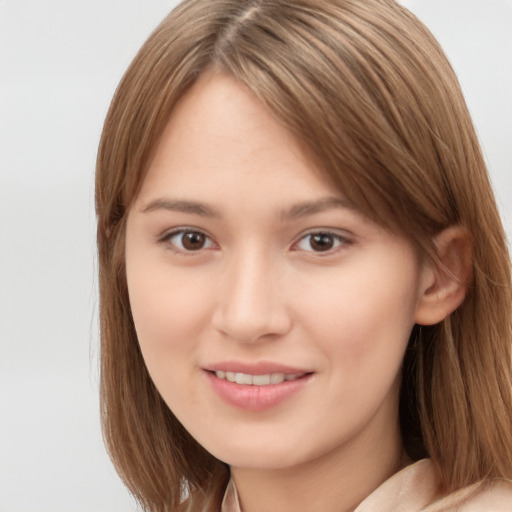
column 304, row 280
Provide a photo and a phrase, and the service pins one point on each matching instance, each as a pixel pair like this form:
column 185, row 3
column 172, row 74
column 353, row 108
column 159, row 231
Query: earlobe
column 445, row 286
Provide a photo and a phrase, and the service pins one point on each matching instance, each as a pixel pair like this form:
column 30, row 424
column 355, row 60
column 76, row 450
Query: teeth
column 261, row 380
column 243, row 378
column 257, row 380
column 276, row 378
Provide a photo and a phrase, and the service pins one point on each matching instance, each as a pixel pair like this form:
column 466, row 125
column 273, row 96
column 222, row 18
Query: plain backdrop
column 60, row 61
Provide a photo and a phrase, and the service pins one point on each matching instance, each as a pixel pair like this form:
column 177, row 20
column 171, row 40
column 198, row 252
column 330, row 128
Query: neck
column 337, row 481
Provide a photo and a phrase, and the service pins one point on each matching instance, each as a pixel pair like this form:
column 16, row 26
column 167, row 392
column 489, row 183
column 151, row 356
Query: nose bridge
column 250, row 303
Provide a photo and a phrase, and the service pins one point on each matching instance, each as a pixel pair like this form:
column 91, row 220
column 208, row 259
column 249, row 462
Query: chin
column 263, row 452
column 257, row 459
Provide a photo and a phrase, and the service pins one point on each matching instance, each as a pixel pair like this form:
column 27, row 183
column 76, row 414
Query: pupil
column 193, row 241
column 321, row 242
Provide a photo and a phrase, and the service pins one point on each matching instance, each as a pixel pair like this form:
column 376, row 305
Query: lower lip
column 256, row 398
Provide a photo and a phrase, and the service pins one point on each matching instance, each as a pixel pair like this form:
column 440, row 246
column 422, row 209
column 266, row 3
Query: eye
column 188, row 240
column 321, row 241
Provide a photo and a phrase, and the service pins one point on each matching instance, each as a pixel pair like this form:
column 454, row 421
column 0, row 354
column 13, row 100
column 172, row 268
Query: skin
column 259, row 289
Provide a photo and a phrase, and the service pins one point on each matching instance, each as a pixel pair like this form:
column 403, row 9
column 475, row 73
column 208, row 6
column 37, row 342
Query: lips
column 256, row 387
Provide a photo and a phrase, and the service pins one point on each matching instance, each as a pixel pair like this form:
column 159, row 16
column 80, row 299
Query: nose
column 250, row 306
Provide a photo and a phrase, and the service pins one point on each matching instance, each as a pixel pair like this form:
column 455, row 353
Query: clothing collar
column 409, row 490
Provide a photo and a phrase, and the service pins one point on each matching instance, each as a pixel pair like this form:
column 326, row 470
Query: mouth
column 258, row 388
column 266, row 379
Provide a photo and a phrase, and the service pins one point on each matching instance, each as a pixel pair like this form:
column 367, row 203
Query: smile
column 257, row 380
column 257, row 391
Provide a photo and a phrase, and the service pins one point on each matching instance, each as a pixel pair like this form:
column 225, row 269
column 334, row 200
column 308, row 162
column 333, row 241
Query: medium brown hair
column 367, row 89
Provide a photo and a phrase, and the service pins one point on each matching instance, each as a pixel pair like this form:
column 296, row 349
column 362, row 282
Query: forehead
column 220, row 136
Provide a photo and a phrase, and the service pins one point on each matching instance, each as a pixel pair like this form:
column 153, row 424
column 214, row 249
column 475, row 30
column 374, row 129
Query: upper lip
column 254, row 368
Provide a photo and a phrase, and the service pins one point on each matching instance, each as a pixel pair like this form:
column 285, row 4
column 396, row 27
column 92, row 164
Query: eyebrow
column 183, row 206
column 306, row 208
column 298, row 210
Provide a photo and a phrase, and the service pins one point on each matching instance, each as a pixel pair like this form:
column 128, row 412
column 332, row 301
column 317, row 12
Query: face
column 244, row 264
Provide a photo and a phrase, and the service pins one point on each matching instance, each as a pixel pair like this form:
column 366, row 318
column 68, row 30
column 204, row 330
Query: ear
column 444, row 286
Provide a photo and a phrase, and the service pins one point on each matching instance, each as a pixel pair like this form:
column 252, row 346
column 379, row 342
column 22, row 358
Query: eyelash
column 167, row 240
column 338, row 241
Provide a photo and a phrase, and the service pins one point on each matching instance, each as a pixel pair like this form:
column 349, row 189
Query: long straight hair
column 369, row 92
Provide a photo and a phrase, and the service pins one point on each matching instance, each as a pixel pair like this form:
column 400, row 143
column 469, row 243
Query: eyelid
column 344, row 238
column 166, row 237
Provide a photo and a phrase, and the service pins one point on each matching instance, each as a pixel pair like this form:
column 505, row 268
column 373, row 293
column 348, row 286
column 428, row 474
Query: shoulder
column 495, row 496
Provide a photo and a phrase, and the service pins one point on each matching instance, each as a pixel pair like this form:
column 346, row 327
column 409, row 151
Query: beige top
column 416, row 489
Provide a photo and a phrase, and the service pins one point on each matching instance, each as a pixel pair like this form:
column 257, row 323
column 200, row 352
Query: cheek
column 168, row 310
column 159, row 311
column 363, row 319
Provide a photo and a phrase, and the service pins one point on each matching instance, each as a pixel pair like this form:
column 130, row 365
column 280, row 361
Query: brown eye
column 189, row 241
column 193, row 241
column 321, row 242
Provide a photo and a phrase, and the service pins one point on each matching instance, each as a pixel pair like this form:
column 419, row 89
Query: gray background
column 60, row 62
